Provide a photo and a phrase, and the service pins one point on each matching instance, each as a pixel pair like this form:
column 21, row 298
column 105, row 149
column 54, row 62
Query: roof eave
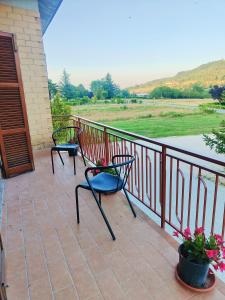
column 46, row 18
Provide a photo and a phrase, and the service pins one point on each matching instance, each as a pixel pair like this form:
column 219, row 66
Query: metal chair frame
column 57, row 149
column 122, row 171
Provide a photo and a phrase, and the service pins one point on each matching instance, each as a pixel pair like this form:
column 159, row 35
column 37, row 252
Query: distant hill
column 207, row 75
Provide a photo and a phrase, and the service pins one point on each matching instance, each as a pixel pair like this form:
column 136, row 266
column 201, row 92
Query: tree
column 110, row 87
column 53, row 88
column 165, row 92
column 105, row 88
column 217, row 139
column 196, row 91
column 68, row 90
column 97, row 87
column 59, row 108
column 124, row 94
column 81, row 91
column 222, row 98
column 217, row 93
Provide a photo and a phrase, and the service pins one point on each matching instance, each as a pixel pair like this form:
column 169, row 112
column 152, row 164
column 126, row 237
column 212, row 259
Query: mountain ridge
column 208, row 74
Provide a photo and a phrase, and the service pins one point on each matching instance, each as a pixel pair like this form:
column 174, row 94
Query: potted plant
column 103, row 163
column 74, row 151
column 196, row 253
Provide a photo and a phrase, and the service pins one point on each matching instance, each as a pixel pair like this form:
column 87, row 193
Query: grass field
column 171, row 126
column 113, row 112
column 152, row 120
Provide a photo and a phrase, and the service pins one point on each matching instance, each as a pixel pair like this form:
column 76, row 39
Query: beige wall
column 25, row 24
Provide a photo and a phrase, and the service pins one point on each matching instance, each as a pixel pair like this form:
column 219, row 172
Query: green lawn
column 191, row 124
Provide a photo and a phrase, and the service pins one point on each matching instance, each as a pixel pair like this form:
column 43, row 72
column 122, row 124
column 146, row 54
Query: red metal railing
column 180, row 187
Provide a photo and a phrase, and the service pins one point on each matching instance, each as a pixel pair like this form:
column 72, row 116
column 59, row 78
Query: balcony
column 49, row 256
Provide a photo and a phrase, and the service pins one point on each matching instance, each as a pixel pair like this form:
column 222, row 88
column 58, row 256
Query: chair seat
column 65, row 147
column 104, row 183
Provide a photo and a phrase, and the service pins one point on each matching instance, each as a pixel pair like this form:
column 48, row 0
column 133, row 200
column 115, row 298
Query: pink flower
column 218, row 238
column 199, row 230
column 176, row 233
column 104, row 163
column 216, row 267
column 222, row 266
column 211, row 253
column 187, row 233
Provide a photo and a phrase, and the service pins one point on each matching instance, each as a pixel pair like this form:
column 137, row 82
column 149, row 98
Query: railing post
column 163, row 186
column 78, row 122
column 106, row 140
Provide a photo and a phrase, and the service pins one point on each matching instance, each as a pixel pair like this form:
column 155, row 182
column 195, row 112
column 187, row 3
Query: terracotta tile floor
column 49, row 256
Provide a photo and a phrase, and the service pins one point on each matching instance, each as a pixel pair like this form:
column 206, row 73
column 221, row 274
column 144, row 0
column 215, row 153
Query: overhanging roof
column 47, row 11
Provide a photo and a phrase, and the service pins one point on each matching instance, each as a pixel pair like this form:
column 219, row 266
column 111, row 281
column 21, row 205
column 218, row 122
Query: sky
column 134, row 40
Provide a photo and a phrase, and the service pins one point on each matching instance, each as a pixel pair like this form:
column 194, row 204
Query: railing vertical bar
column 139, row 190
column 163, row 188
column 142, row 174
column 155, row 174
column 117, row 152
column 135, row 168
column 198, row 197
column 177, row 188
column 114, row 145
column 96, row 148
column 106, row 140
column 223, row 228
column 189, row 197
column 146, row 176
column 123, row 146
column 171, row 188
column 214, row 204
column 150, row 178
column 182, row 202
column 132, row 172
column 204, row 204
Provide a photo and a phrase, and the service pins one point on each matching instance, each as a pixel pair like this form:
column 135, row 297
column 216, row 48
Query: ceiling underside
column 47, row 11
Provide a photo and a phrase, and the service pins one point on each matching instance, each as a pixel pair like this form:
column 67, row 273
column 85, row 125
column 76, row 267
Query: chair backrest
column 69, row 134
column 122, row 164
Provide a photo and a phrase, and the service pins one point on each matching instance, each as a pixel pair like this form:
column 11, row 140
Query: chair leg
column 104, row 216
column 100, row 199
column 82, row 154
column 77, row 204
column 74, row 165
column 60, row 157
column 53, row 171
column 131, row 206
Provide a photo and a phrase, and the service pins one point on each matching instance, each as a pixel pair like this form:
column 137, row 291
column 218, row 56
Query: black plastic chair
column 107, row 183
column 71, row 133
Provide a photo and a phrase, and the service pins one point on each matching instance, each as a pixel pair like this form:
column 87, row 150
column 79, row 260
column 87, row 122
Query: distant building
column 142, row 95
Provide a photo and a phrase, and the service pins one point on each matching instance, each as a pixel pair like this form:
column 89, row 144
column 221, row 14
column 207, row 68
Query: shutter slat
column 11, row 119
column 8, row 74
column 19, row 155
